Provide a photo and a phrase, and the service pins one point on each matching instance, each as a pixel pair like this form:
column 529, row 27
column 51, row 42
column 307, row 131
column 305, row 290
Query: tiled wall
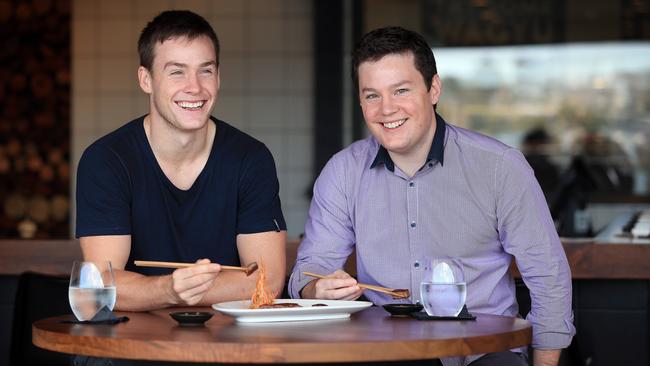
column 266, row 89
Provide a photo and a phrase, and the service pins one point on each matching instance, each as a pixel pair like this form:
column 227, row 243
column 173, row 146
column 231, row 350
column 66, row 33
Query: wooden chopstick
column 396, row 293
column 180, row 265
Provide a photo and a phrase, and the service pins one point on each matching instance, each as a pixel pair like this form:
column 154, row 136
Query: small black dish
column 402, row 309
column 191, row 317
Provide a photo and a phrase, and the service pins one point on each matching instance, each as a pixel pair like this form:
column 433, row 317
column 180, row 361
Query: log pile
column 35, row 119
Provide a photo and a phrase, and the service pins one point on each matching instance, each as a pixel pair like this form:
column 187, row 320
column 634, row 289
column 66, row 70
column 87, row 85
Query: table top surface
column 370, row 335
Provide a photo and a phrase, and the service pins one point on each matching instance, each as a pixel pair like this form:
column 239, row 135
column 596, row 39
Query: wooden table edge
column 281, row 352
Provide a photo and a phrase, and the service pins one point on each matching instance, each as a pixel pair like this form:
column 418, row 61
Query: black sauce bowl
column 402, row 309
column 191, row 317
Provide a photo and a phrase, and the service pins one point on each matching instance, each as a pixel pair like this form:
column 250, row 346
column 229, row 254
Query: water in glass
column 443, row 290
column 92, row 287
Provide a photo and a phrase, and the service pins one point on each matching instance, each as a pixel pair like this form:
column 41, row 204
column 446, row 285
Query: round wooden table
column 370, row 335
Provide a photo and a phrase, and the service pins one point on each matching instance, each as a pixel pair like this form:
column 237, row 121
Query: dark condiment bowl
column 402, row 309
column 191, row 317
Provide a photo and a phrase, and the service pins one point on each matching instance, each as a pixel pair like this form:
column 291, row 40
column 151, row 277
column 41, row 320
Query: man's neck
column 177, row 147
column 181, row 155
column 412, row 161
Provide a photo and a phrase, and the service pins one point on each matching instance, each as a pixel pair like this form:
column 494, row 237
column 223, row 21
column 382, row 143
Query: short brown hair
column 394, row 40
column 173, row 24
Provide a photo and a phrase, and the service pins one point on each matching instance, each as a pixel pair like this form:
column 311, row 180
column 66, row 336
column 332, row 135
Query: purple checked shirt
column 475, row 199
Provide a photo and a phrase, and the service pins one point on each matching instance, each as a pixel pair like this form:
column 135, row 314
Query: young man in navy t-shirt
column 179, row 185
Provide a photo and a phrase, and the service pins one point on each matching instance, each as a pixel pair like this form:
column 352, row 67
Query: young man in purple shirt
column 418, row 188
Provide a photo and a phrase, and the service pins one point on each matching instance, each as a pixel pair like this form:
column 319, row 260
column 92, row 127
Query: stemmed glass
column 443, row 290
column 92, row 287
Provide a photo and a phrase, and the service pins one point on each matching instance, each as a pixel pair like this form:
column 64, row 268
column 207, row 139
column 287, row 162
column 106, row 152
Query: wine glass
column 92, row 287
column 443, row 289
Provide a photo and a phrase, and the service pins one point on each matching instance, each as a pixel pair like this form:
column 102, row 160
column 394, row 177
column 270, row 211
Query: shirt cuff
column 553, row 340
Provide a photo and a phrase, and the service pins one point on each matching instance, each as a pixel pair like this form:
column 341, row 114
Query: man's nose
column 388, row 105
column 193, row 85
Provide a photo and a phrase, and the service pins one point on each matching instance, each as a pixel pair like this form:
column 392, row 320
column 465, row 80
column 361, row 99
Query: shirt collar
column 436, row 153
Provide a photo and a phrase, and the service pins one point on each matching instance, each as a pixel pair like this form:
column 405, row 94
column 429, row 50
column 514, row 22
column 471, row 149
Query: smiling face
column 397, row 107
column 183, row 82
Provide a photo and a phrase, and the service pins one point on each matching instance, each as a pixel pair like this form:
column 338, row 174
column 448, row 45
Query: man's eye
column 371, row 96
column 207, row 72
column 176, row 72
column 401, row 91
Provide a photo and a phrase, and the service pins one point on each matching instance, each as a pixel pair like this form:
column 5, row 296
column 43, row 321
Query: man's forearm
column 546, row 357
column 136, row 292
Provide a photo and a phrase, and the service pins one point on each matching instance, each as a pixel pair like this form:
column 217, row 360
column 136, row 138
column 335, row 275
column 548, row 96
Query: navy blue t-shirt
column 121, row 190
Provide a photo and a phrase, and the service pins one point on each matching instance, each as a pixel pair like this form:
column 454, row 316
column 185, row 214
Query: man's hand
column 337, row 286
column 190, row 284
column 546, row 357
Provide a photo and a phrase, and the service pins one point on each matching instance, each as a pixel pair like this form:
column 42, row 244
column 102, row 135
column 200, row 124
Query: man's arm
column 267, row 249
column 527, row 232
column 136, row 292
column 329, row 240
column 546, row 357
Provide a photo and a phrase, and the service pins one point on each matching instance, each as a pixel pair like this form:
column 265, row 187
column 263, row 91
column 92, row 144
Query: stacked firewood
column 34, row 118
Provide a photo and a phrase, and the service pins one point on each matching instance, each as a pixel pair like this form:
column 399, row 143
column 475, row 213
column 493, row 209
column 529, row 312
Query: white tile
column 266, row 7
column 231, row 110
column 83, row 75
column 300, row 151
column 116, row 75
column 201, row 7
column 234, row 7
column 299, row 116
column 299, row 186
column 115, row 9
column 232, row 73
column 295, row 216
column 299, row 74
column 298, row 35
column 230, row 32
column 83, row 115
column 266, row 73
column 266, row 112
column 298, row 7
column 140, row 104
column 85, row 9
column 114, row 36
column 84, row 38
column 113, row 111
column 148, row 9
column 266, row 35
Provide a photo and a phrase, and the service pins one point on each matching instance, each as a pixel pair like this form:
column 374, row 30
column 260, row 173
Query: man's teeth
column 191, row 105
column 394, row 124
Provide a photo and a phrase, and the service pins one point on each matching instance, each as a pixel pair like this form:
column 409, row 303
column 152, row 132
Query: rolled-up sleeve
column 329, row 236
column 527, row 232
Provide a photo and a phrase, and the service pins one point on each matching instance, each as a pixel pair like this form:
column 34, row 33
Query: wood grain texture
column 371, row 335
column 589, row 260
column 609, row 261
column 53, row 257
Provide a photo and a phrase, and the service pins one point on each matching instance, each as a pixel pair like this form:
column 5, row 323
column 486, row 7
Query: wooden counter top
column 588, row 260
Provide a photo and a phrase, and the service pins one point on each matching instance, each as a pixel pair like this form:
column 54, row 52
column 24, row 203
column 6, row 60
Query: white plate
column 335, row 309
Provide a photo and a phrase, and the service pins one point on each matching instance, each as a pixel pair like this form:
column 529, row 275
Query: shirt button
column 411, row 184
column 416, row 264
column 412, row 223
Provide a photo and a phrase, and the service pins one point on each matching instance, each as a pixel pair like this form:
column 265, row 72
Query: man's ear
column 435, row 90
column 144, row 78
